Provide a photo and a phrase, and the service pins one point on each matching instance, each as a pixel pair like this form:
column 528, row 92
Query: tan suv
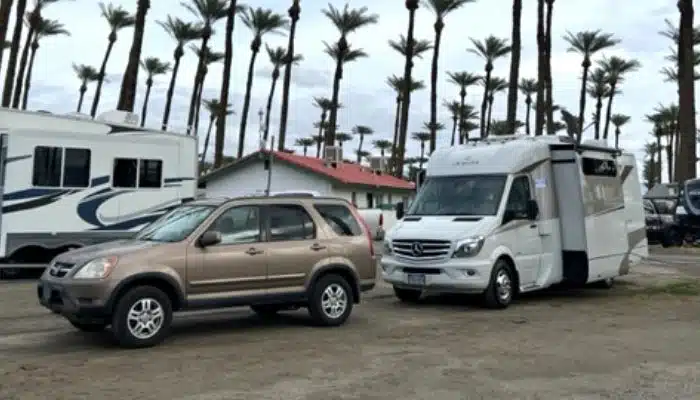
column 271, row 254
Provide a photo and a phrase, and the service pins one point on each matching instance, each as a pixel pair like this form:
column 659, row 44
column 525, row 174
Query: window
column 390, row 200
column 47, row 166
column 290, row 222
column 124, row 173
column 519, row 196
column 380, row 200
column 150, row 173
column 665, row 206
column 599, row 167
column 76, row 169
column 176, row 225
column 370, row 200
column 459, row 195
column 340, row 219
column 238, row 225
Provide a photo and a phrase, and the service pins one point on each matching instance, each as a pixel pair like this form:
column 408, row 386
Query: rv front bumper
column 455, row 275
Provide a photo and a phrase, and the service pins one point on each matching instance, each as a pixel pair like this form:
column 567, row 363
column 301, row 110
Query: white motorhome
column 514, row 214
column 70, row 181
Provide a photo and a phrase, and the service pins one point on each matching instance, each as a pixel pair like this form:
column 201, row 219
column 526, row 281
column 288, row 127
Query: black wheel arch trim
column 118, row 290
column 345, row 268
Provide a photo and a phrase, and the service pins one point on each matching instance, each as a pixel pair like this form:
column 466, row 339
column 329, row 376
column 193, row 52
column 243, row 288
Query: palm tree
column 293, row 13
column 326, row 105
column 454, row 108
column 342, row 137
column 419, row 46
column 599, row 89
column 318, row 140
column 153, row 66
column 468, row 115
column 587, row 43
column 541, row 69
column 495, row 85
column 278, row 58
column 261, row 21
column 421, row 137
column 304, row 143
column 528, row 87
column 618, row 120
column 465, row 128
column 45, row 28
column 548, row 101
column 615, row 69
column 383, row 145
column 127, row 94
column 361, row 131
column 208, row 57
column 14, row 48
column 117, row 18
column 512, row 110
column 397, row 84
column 464, row 80
column 86, row 74
column 208, row 12
column 5, row 10
column 183, row 33
column 441, row 8
column 231, row 11
column 362, row 154
column 502, row 127
column 345, row 21
column 216, row 110
column 687, row 157
column 491, row 49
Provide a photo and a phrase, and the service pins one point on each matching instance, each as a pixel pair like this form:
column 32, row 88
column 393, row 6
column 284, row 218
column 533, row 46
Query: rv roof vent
column 333, row 156
column 119, row 117
column 78, row 115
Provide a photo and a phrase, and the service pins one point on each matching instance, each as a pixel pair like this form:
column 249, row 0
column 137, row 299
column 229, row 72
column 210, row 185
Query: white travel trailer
column 515, row 214
column 70, row 181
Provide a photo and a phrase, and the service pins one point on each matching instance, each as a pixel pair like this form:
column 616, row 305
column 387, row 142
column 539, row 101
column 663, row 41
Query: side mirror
column 508, row 215
column 532, row 210
column 209, row 238
column 399, row 210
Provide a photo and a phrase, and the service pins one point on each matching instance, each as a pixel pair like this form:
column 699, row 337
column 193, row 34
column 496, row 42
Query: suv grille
column 60, row 269
column 421, row 249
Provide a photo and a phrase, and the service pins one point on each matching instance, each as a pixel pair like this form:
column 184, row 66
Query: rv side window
column 518, row 197
column 76, row 168
column 150, row 173
column 124, row 173
column 47, row 166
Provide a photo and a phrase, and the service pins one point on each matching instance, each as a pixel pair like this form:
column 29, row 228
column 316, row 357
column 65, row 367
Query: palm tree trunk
column 608, row 111
column 397, row 120
column 549, row 102
column 485, row 104
column 246, row 104
column 83, row 89
column 528, row 104
column 206, row 141
column 406, row 95
column 617, row 138
column 28, row 77
column 127, row 94
column 514, row 66
column 462, row 104
column 306, row 150
column 197, row 79
column 582, row 98
column 329, row 138
column 422, row 155
column 359, row 148
column 293, row 12
column 144, row 109
column 171, row 91
column 198, row 104
column 439, row 25
column 101, row 77
column 269, row 107
column 488, row 118
column 658, row 157
column 225, row 85
column 23, row 60
column 669, row 160
column 454, row 131
column 687, row 156
column 598, row 110
column 14, row 51
column 541, row 70
column 320, row 134
column 5, row 10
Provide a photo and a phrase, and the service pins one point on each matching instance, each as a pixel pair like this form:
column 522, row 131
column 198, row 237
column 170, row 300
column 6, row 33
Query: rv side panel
column 638, row 247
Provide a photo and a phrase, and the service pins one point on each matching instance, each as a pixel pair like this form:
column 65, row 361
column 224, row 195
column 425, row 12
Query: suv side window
column 340, row 219
column 238, row 225
column 290, row 222
column 519, row 196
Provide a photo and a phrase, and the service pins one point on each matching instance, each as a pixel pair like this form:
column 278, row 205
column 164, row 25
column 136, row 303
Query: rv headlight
column 387, row 248
column 98, row 268
column 468, row 247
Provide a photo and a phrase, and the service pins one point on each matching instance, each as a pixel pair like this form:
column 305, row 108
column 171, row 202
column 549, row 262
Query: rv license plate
column 416, row 279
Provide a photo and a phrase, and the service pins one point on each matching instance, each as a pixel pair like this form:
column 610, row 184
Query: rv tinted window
column 47, row 166
column 150, row 173
column 76, row 168
column 124, row 173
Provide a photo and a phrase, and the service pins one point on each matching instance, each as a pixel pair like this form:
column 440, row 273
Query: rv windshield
column 176, row 225
column 459, row 195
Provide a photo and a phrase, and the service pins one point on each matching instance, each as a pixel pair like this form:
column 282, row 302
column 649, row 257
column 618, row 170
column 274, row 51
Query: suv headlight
column 468, row 247
column 98, row 268
column 387, row 248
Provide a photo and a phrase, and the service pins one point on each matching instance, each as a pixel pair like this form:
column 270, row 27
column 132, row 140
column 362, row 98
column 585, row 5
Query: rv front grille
column 60, row 269
column 421, row 249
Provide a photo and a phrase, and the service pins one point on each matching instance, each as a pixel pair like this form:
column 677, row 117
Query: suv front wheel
column 142, row 317
column 331, row 300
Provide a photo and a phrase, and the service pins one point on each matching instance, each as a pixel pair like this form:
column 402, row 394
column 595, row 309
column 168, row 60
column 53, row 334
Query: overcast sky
column 367, row 98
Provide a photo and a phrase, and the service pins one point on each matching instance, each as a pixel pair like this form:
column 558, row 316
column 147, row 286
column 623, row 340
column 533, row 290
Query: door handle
column 317, row 247
column 533, row 226
column 253, row 251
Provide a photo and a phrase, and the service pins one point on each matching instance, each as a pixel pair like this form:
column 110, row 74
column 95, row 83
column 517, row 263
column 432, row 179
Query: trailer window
column 76, row 168
column 150, row 173
column 124, row 173
column 47, row 166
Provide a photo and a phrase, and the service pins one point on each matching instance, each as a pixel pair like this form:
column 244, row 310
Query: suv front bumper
column 75, row 301
column 444, row 276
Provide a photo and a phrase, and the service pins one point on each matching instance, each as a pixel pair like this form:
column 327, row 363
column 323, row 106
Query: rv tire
column 502, row 286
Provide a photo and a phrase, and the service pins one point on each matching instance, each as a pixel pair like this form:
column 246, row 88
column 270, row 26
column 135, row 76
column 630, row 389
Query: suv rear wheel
column 407, row 295
column 331, row 300
column 142, row 317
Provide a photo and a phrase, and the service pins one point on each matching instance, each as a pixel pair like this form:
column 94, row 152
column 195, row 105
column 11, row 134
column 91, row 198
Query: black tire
column 493, row 297
column 321, row 316
column 120, row 322
column 266, row 310
column 91, row 327
column 407, row 295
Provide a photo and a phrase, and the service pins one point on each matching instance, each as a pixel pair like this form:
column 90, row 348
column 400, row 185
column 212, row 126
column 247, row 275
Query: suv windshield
column 176, row 225
column 459, row 195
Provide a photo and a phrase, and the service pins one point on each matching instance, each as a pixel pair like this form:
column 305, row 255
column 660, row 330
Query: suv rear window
column 340, row 219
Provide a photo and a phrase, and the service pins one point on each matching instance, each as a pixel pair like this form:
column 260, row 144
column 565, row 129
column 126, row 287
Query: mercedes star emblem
column 417, row 249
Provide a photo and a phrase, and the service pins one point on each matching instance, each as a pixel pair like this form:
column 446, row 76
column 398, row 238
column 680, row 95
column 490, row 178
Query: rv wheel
column 502, row 286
